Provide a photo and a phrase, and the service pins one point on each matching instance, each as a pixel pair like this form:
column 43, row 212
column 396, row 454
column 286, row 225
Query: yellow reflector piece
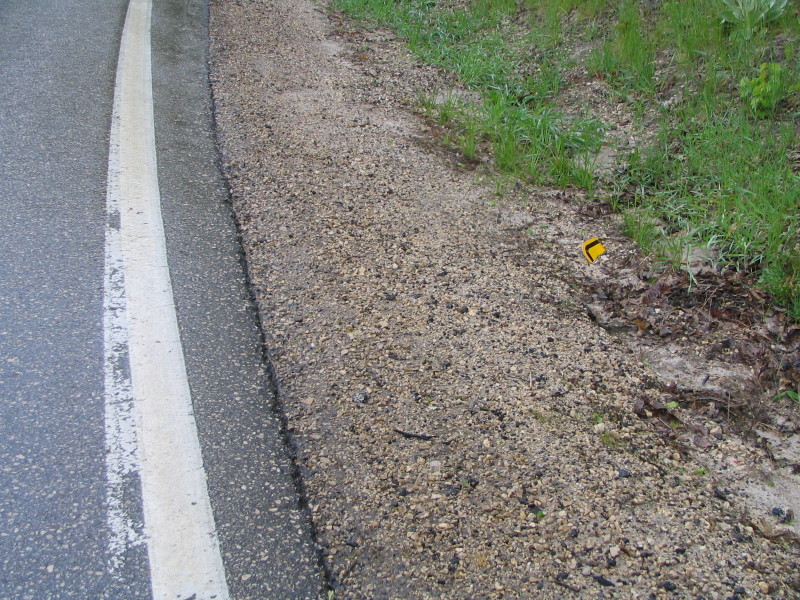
column 592, row 249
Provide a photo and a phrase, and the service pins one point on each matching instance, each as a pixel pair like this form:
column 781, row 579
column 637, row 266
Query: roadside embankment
column 464, row 429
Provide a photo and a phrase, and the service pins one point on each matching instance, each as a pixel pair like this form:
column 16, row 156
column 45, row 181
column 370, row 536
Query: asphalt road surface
column 89, row 504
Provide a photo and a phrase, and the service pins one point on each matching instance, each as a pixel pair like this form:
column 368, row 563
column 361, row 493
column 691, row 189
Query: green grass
column 724, row 182
column 515, row 120
column 627, row 58
column 722, row 171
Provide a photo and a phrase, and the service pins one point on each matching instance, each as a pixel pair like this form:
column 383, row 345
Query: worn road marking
column 150, row 427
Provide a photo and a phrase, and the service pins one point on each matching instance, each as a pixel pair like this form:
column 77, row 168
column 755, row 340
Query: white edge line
column 150, row 425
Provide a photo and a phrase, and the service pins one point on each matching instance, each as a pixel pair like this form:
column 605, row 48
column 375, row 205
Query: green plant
column 763, row 93
column 446, row 111
column 751, row 14
column 722, row 182
column 610, row 440
column 469, row 136
column 790, row 394
column 627, row 58
column 640, row 225
column 500, row 6
column 692, row 27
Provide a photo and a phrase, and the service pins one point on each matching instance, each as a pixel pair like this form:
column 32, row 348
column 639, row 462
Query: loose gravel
column 463, row 428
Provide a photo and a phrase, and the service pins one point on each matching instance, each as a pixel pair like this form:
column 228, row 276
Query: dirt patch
column 465, row 428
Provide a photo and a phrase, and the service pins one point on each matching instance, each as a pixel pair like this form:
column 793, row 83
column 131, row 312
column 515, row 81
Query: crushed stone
column 464, row 428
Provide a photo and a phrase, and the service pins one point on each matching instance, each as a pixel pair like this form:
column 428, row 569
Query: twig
column 414, row 436
column 566, row 585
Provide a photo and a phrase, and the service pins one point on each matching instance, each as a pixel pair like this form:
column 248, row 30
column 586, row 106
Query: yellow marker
column 592, row 249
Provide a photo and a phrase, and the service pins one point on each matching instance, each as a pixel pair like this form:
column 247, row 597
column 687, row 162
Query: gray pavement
column 58, row 62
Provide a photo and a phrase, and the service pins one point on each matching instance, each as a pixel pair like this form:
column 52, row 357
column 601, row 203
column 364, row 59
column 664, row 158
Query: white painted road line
column 149, row 421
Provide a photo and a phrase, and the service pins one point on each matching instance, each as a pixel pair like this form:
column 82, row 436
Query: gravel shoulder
column 464, row 429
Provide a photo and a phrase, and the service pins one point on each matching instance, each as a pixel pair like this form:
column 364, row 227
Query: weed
column 627, row 58
column 538, row 416
column 587, row 9
column 640, row 225
column 610, row 440
column 700, row 182
column 504, row 7
column 790, row 394
column 446, row 111
column 692, row 26
column 469, row 137
column 763, row 93
column 751, row 14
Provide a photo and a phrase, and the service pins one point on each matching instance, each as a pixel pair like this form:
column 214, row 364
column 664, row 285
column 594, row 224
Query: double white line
column 150, row 428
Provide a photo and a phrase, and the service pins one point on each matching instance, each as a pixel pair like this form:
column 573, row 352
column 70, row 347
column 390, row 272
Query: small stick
column 568, row 586
column 414, row 436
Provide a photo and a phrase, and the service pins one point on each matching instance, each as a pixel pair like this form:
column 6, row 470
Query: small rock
column 361, row 397
column 624, row 473
column 603, row 581
column 668, row 585
column 451, row 491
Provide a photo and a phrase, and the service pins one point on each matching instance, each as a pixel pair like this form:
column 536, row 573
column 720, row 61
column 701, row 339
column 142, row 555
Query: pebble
column 669, row 586
column 603, row 581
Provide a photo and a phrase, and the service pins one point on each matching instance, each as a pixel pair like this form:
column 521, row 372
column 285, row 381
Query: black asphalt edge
column 276, row 403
